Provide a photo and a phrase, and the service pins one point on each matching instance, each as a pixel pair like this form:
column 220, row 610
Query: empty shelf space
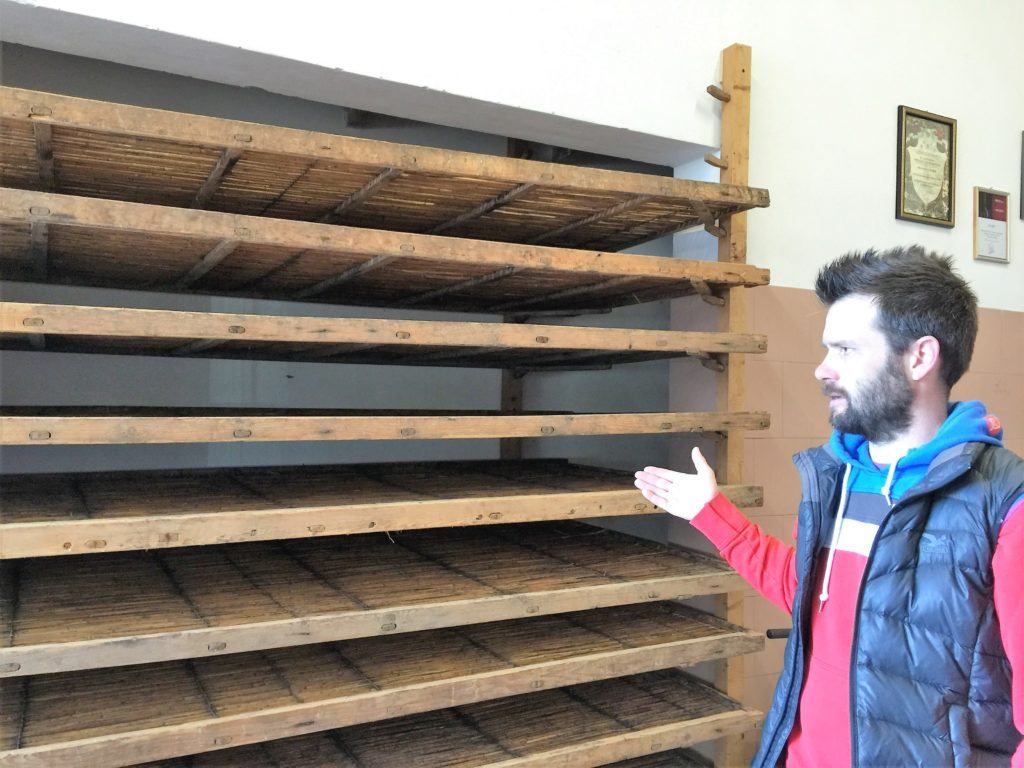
column 122, row 716
column 107, row 150
column 101, row 425
column 115, row 330
column 115, row 609
column 638, row 721
column 113, row 244
column 51, row 514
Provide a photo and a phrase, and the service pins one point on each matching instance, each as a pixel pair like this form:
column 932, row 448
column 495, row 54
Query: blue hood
column 966, row 423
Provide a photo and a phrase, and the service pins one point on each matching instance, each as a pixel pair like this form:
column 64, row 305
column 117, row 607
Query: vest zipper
column 860, row 594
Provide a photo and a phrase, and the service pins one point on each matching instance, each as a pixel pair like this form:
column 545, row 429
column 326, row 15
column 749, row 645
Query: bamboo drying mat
column 150, row 712
column 100, row 149
column 132, row 608
column 117, row 330
column 107, row 243
column 51, row 514
column 103, row 425
column 594, row 724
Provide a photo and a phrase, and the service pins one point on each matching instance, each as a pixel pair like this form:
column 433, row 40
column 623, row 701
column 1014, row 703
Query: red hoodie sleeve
column 1008, row 585
column 764, row 561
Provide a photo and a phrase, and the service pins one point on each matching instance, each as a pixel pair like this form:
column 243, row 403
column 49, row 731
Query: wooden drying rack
column 180, row 571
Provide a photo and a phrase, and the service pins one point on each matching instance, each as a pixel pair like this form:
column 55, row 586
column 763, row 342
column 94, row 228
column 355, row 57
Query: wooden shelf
column 47, row 514
column 120, row 716
column 632, row 720
column 116, row 330
column 100, row 149
column 112, row 244
column 141, row 607
column 107, row 426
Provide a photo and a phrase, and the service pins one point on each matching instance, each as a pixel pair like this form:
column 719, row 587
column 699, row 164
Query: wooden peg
column 708, row 219
column 718, row 93
column 709, row 361
column 715, row 161
column 704, row 290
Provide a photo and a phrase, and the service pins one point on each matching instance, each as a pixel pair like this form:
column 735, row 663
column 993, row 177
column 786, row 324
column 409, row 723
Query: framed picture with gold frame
column 926, row 167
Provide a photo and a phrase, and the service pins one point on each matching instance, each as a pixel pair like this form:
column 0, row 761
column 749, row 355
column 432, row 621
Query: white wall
column 626, row 78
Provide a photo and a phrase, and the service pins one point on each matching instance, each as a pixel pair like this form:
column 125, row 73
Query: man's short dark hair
column 917, row 293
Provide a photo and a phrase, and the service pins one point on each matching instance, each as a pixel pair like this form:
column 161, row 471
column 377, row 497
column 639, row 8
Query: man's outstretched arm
column 767, row 564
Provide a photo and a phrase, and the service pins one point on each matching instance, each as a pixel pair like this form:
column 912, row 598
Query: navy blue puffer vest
column 930, row 682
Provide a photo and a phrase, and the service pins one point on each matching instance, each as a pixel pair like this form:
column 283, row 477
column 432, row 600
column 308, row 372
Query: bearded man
column 907, row 578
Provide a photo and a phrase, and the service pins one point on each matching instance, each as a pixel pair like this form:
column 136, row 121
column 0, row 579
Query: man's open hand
column 678, row 493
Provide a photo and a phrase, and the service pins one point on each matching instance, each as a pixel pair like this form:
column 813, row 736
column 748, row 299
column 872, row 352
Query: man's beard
column 881, row 411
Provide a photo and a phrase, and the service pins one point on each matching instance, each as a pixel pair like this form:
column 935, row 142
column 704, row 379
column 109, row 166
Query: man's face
column 868, row 389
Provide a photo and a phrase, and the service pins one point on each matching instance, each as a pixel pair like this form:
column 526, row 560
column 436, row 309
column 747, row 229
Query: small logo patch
column 993, row 424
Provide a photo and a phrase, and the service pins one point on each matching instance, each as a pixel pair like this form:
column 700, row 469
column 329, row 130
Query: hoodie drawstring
column 843, row 499
column 835, row 536
column 887, row 488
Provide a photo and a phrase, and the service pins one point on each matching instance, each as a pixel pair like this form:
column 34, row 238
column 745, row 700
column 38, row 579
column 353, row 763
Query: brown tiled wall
column 782, row 383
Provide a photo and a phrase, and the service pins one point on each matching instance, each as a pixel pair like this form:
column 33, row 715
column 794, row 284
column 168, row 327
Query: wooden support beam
column 199, row 345
column 338, row 350
column 39, row 245
column 215, row 256
column 486, row 207
column 567, row 368
column 554, row 360
column 149, row 330
column 43, row 133
column 513, row 385
column 607, row 213
column 453, row 354
column 732, row 248
column 459, row 286
column 566, row 293
column 221, row 168
column 361, row 195
column 351, row 273
column 139, row 427
column 524, row 316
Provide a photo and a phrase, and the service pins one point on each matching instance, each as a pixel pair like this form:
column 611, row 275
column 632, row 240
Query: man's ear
column 922, row 357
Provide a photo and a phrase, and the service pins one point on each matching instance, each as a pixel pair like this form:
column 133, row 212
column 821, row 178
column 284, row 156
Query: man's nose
column 824, row 372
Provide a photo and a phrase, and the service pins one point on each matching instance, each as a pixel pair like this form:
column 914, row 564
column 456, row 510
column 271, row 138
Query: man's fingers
column 700, row 463
column 654, row 480
column 666, row 474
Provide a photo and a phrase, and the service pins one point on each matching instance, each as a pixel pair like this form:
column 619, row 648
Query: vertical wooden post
column 734, row 750
column 512, row 381
column 511, row 402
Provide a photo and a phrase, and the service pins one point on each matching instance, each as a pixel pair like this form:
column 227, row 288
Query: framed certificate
column 926, row 167
column 991, row 225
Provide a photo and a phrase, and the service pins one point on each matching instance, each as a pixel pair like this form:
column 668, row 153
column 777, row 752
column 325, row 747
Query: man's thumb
column 699, row 462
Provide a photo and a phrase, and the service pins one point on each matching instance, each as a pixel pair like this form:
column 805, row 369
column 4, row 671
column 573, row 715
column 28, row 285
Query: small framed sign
column 991, row 225
column 926, row 168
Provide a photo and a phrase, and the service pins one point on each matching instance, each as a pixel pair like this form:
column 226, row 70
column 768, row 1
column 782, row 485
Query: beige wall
column 782, row 383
